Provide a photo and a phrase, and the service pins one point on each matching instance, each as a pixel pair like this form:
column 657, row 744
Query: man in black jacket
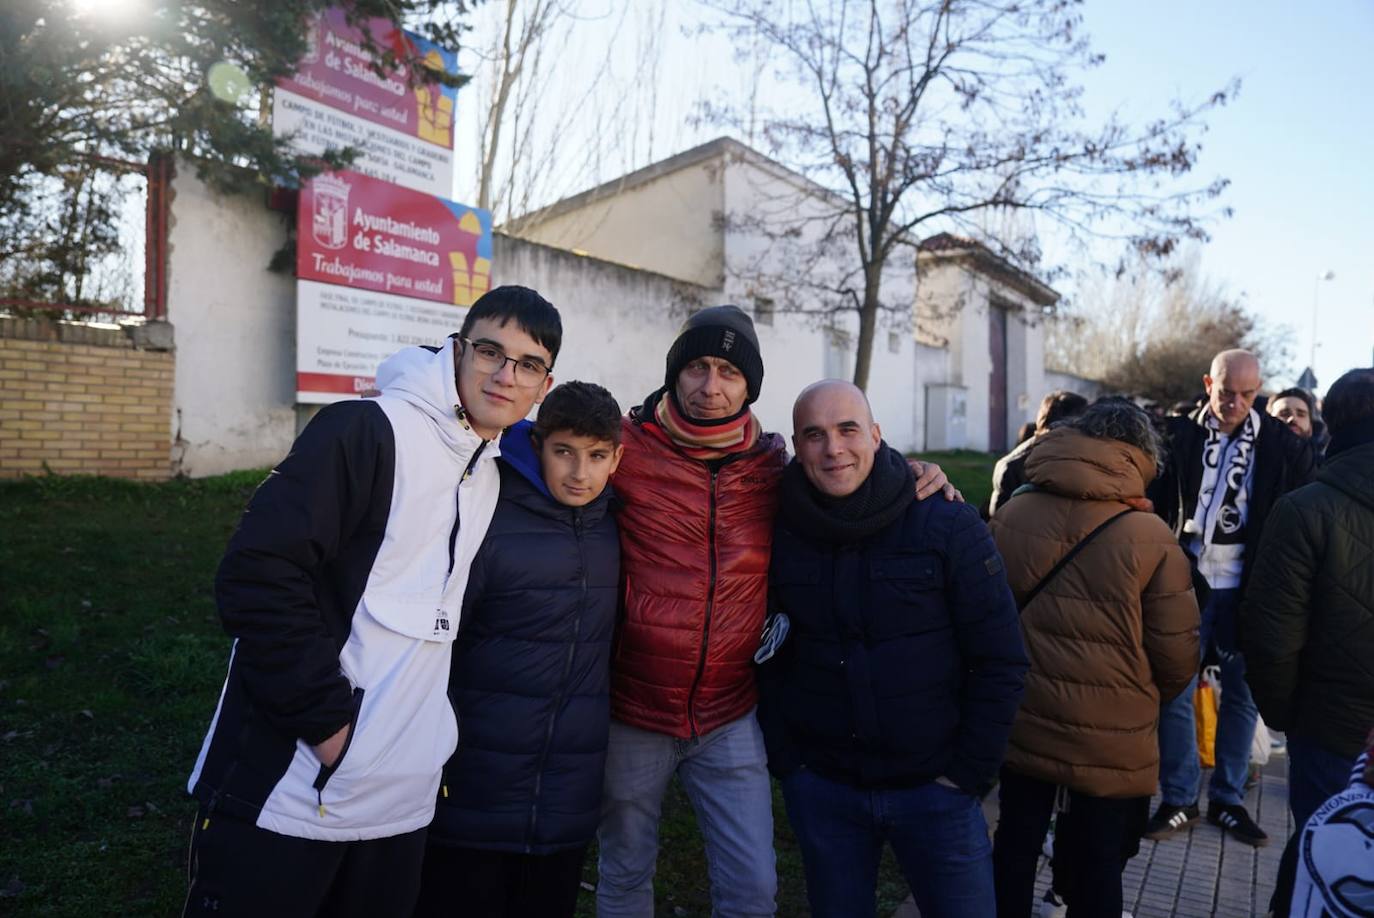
column 1309, row 619
column 1228, row 465
column 887, row 710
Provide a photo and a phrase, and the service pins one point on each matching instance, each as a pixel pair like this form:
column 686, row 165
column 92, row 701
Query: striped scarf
column 703, row 440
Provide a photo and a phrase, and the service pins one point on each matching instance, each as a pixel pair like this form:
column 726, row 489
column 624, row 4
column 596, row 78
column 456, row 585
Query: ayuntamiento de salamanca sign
column 404, row 132
column 383, row 258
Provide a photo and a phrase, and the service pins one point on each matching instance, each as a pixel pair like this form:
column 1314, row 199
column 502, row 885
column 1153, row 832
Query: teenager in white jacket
column 342, row 590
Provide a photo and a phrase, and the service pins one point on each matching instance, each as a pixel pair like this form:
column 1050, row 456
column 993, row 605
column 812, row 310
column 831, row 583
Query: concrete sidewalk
column 1200, row 873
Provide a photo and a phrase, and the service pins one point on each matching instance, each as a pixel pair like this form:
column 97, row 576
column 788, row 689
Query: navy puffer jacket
column 530, row 678
column 904, row 662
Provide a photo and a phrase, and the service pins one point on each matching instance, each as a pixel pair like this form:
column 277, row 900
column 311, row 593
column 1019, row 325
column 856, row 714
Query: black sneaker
column 1169, row 819
column 1233, row 818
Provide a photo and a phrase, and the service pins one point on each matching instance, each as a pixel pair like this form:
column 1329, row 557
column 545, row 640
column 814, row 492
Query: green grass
column 111, row 659
column 970, row 471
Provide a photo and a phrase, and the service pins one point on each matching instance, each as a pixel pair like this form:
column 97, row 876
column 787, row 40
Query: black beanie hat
column 726, row 332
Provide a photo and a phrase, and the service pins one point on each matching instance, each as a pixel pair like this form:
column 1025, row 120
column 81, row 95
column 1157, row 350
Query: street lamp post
column 1316, row 287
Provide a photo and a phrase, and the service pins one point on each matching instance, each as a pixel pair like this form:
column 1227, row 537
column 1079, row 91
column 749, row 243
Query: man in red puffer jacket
column 698, row 484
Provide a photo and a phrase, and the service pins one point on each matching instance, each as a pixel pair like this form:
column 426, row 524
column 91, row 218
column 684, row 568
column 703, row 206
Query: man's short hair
column 535, row 315
column 1294, row 392
column 584, row 408
column 1115, row 418
column 1057, row 406
column 1349, row 401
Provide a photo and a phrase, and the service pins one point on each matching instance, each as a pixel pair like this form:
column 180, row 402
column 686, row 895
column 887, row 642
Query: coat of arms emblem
column 329, row 219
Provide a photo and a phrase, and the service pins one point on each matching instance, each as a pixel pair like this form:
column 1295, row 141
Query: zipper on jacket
column 458, row 505
column 214, row 797
column 327, row 771
column 562, row 682
column 710, row 607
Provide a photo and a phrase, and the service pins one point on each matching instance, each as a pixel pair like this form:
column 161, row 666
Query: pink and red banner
column 362, row 232
column 337, row 71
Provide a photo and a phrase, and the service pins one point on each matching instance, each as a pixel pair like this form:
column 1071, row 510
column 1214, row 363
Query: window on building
column 839, row 354
column 763, row 310
column 894, row 342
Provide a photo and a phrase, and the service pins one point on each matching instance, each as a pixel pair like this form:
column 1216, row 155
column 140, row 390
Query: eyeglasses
column 489, row 358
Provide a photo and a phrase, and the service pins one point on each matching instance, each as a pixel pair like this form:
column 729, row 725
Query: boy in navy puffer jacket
column 520, row 798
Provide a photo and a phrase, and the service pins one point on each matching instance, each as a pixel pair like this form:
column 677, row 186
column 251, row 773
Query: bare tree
column 924, row 114
column 545, row 132
column 1153, row 335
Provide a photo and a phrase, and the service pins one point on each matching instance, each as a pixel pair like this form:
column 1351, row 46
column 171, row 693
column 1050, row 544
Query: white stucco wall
column 1088, row 388
column 667, row 225
column 775, row 248
column 235, row 322
column 618, row 323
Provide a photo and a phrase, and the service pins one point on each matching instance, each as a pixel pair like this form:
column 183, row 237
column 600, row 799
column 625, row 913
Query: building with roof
column 958, row 361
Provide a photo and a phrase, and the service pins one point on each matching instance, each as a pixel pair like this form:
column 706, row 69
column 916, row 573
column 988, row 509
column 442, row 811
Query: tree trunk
column 868, row 327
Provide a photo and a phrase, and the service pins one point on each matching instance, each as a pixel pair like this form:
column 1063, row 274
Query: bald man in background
column 886, row 710
column 1228, row 464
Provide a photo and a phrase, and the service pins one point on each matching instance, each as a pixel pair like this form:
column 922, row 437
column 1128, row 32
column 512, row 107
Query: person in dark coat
column 521, row 796
column 1009, row 472
column 1309, row 612
column 887, row 708
column 1229, row 464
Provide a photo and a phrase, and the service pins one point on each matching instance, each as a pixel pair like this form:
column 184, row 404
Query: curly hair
column 1120, row 419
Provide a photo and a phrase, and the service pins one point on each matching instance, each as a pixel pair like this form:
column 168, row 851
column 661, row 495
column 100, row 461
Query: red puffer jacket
column 694, row 560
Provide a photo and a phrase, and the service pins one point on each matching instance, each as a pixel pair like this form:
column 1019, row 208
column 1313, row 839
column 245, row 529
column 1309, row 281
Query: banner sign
column 357, row 231
column 382, row 153
column 336, row 99
column 342, row 335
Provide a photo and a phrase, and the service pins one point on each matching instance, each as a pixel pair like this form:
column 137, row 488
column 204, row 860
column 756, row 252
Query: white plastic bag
column 1261, row 746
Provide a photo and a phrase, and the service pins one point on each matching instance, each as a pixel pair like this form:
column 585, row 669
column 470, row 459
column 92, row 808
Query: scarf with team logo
column 1219, row 519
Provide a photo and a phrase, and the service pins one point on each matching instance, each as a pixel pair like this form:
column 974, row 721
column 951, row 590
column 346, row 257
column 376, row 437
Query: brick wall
column 82, row 400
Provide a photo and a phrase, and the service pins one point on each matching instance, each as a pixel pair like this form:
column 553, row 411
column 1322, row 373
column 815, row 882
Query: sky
column 1297, row 142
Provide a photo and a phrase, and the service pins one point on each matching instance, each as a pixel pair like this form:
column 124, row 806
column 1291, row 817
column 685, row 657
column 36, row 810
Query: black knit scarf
column 882, row 498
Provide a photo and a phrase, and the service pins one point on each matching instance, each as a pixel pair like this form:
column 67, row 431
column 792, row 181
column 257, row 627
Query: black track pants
column 237, row 869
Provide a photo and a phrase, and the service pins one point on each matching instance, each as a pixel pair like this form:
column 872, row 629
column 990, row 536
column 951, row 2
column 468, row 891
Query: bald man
column 1228, row 465
column 887, row 708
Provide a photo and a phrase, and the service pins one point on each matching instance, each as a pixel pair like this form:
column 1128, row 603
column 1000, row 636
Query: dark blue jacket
column 904, row 662
column 530, row 678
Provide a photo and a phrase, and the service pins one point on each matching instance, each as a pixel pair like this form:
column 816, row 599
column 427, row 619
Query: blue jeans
column 725, row 776
column 1315, row 775
column 1180, row 772
column 937, row 833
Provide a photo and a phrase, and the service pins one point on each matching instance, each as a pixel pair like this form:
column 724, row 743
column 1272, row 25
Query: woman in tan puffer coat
column 1110, row 636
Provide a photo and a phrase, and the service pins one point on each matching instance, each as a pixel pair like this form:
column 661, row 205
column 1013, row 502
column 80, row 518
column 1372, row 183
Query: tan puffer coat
column 1113, row 634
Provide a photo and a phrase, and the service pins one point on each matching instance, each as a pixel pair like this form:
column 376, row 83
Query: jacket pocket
column 906, row 595
column 415, row 616
column 919, row 571
column 327, row 771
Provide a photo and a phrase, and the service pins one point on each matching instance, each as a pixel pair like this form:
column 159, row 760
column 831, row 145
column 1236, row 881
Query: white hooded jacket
column 426, row 485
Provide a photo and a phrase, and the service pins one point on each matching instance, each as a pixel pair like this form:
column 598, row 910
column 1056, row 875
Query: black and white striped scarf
column 1221, row 501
